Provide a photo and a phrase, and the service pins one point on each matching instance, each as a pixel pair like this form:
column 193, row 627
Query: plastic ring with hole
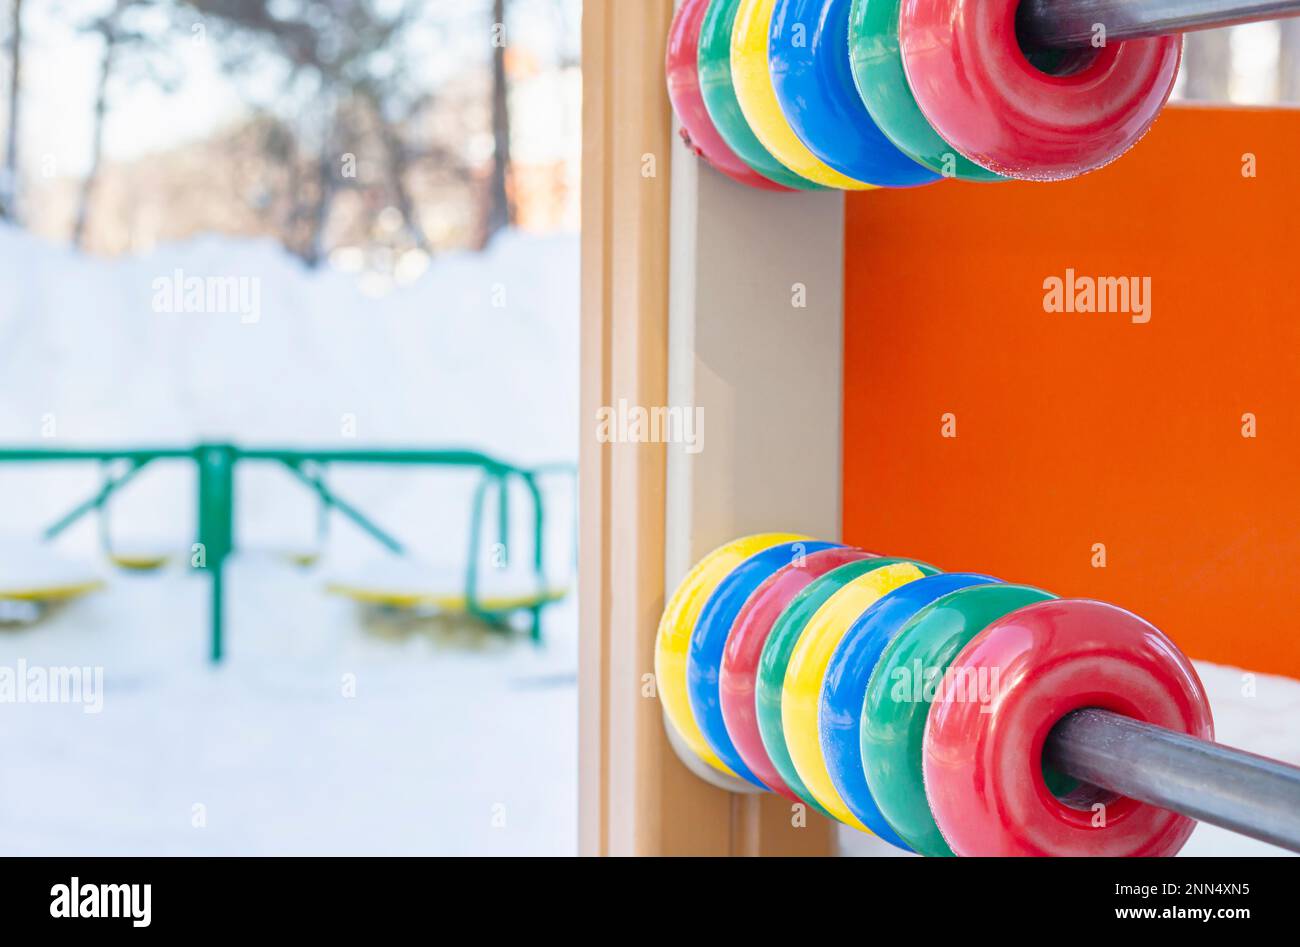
column 897, row 700
column 982, row 93
column 698, row 130
column 672, row 642
column 808, row 56
column 877, row 65
column 769, row 684
column 840, row 704
column 737, row 681
column 754, row 89
column 806, row 672
column 718, row 89
column 709, row 640
column 983, row 746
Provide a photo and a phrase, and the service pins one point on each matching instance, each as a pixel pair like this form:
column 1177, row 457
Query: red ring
column 976, row 86
column 744, row 646
column 983, row 758
column 698, row 130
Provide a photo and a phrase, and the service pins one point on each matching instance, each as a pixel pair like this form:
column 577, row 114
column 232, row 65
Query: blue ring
column 808, row 52
column 709, row 640
column 844, row 689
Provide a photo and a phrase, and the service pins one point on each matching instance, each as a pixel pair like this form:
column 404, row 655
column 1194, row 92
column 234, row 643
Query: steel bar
column 95, row 502
column 1068, row 24
column 1235, row 790
column 397, row 455
column 332, row 500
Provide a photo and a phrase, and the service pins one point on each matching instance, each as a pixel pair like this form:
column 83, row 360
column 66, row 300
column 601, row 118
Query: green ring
column 894, row 715
column 881, row 79
column 775, row 658
column 719, row 92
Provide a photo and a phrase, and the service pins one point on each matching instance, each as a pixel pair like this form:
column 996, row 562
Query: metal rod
column 334, row 501
column 1212, row 783
column 1071, row 24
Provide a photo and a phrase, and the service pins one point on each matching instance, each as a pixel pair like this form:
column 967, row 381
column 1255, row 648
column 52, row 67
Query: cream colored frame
column 696, row 292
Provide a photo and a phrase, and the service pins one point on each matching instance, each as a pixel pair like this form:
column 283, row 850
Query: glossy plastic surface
column 754, row 90
column 775, row 659
column 713, row 627
column 809, row 62
column 876, row 63
column 744, row 646
column 983, row 757
column 698, row 130
column 897, row 699
column 980, row 92
column 718, row 89
column 672, row 642
column 840, row 715
column 807, row 670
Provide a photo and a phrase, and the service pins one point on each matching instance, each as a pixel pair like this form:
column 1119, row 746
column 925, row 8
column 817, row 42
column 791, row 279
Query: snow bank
column 481, row 350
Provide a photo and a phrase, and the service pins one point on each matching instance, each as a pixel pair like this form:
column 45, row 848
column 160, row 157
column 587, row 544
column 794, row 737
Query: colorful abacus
column 921, row 705
column 857, row 94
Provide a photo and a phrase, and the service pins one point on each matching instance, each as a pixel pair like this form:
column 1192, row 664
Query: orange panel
column 1075, row 429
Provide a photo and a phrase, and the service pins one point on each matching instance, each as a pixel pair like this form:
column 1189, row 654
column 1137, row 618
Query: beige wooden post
column 731, row 336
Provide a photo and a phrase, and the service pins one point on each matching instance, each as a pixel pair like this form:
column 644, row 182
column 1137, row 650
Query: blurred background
column 1255, row 64
column 293, row 226
column 137, row 122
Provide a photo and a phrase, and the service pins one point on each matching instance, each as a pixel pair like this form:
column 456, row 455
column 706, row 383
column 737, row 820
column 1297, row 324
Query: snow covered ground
column 322, row 734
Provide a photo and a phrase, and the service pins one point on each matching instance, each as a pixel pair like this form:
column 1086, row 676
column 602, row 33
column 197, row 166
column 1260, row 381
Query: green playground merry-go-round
column 473, row 590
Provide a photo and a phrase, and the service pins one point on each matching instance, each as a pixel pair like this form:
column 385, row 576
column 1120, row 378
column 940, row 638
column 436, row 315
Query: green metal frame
column 216, row 465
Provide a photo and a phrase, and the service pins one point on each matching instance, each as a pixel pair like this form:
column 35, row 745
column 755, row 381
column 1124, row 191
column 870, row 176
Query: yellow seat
column 50, row 593
column 139, row 562
column 33, row 572
column 406, row 584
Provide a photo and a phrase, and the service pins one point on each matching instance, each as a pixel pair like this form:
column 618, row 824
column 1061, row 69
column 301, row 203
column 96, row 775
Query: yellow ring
column 802, row 690
column 674, row 638
column 753, row 80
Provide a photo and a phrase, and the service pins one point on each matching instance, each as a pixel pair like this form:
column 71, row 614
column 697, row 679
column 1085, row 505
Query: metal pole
column 1212, row 783
column 1069, row 24
column 216, row 508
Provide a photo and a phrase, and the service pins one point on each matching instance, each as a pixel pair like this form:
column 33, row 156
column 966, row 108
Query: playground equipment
column 857, row 94
column 33, row 579
column 215, row 466
column 882, row 367
column 950, row 713
column 399, row 583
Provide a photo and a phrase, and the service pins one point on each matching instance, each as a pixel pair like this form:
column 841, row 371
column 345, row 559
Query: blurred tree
column 132, row 53
column 9, row 173
column 1208, row 64
column 500, row 212
column 350, row 57
column 390, row 118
